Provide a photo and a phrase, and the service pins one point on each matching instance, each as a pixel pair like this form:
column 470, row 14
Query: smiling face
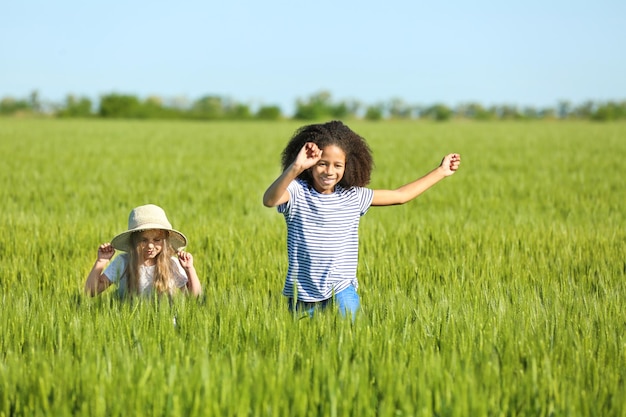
column 329, row 169
column 151, row 244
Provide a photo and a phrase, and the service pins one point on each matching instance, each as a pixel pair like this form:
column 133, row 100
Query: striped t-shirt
column 322, row 239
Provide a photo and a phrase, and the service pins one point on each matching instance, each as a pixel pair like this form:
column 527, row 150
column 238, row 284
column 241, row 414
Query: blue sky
column 276, row 51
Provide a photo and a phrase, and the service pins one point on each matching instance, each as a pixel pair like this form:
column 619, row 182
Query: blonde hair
column 163, row 273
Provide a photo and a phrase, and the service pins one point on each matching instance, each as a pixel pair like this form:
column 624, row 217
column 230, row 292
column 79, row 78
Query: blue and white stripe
column 322, row 239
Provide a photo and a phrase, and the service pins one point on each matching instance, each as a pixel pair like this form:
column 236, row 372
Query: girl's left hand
column 450, row 163
column 186, row 259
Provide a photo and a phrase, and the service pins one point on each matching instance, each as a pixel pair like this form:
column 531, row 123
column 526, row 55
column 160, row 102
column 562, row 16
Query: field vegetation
column 317, row 106
column 499, row 292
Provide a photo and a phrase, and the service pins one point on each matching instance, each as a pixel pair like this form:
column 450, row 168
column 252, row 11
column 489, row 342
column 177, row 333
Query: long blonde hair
column 163, row 273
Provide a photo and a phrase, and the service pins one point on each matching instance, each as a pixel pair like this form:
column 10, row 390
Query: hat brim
column 122, row 241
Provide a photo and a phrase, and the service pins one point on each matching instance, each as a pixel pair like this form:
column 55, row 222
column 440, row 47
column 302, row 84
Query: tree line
column 319, row 105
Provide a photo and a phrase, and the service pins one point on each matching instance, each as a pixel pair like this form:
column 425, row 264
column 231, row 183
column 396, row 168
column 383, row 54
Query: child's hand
column 186, row 260
column 450, row 163
column 105, row 252
column 309, row 155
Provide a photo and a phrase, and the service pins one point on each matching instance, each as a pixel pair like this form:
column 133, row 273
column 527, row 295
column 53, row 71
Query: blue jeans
column 347, row 301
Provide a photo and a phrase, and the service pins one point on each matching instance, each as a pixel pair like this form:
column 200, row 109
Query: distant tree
column 476, row 111
column 564, row 109
column 399, row 109
column 208, row 107
column 417, row 111
column 317, row 106
column 461, row 110
column 268, row 113
column 439, row 112
column 75, row 107
column 374, row 113
column 352, row 107
column 309, row 112
column 153, row 108
column 584, row 110
column 482, row 113
column 120, row 106
column 620, row 110
column 509, row 112
column 547, row 113
column 239, row 111
column 154, row 101
column 530, row 112
column 10, row 106
column 339, row 110
column 610, row 111
column 179, row 103
column 35, row 102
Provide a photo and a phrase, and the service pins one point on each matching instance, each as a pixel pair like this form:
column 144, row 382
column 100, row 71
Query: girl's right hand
column 105, row 252
column 308, row 156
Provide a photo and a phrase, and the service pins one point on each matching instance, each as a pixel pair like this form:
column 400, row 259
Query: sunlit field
column 499, row 292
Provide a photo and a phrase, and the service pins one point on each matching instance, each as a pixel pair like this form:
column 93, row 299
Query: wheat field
column 499, row 292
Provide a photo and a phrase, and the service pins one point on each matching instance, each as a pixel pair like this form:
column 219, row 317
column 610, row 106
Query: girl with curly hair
column 322, row 194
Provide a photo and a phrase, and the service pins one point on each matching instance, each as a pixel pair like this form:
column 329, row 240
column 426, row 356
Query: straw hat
column 148, row 217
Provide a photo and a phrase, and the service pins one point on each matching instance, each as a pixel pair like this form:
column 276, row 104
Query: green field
column 499, row 292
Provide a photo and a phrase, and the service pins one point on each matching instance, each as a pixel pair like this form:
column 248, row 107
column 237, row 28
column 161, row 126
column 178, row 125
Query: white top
column 116, row 273
column 322, row 239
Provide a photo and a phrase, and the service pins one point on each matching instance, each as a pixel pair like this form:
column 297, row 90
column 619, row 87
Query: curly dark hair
column 359, row 162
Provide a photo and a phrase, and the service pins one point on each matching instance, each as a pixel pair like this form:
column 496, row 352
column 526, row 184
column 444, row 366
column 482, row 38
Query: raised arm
column 193, row 283
column 96, row 280
column 408, row 192
column 277, row 193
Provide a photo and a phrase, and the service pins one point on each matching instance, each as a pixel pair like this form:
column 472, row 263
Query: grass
column 497, row 293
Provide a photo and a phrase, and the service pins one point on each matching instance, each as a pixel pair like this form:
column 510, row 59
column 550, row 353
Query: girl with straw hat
column 154, row 260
